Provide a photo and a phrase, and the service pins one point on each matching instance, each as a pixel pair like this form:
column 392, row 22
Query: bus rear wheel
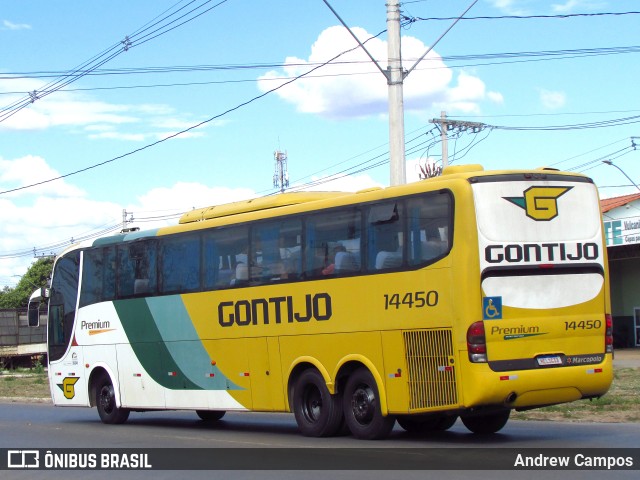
column 108, row 409
column 488, row 423
column 422, row 424
column 362, row 410
column 210, row 415
column 317, row 412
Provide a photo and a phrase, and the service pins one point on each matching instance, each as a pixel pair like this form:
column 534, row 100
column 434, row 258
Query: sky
column 156, row 107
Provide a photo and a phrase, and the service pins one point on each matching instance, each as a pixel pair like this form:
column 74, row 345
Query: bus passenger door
column 266, row 376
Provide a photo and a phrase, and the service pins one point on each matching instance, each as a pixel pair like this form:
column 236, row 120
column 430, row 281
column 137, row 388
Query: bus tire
column 488, row 423
column 210, row 415
column 108, row 409
column 317, row 412
column 362, row 410
column 422, row 424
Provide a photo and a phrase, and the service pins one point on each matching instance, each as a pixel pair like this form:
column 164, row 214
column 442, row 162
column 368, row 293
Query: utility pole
column 443, row 136
column 281, row 175
column 395, row 77
column 447, row 125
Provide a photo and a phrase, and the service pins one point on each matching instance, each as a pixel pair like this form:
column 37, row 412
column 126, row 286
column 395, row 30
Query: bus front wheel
column 488, row 423
column 317, row 412
column 108, row 409
column 362, row 410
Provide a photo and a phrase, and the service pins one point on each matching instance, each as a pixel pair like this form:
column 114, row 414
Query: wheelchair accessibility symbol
column 492, row 308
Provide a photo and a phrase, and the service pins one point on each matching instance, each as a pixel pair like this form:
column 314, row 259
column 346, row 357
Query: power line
column 615, row 122
column 193, row 127
column 104, row 57
column 524, row 17
column 93, row 72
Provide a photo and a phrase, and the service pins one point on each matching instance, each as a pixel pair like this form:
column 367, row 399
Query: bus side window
column 180, row 267
column 137, row 268
column 224, row 250
column 429, row 220
column 275, row 251
column 385, row 233
column 333, row 243
column 92, row 276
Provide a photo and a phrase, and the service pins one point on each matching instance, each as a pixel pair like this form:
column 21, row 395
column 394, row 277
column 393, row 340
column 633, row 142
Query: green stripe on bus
column 184, row 344
column 148, row 345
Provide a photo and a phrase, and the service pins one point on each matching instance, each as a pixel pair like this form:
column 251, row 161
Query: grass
column 620, row 404
column 24, row 384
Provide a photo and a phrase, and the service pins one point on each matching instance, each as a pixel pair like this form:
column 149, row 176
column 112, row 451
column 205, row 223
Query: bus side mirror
column 34, row 314
column 33, row 311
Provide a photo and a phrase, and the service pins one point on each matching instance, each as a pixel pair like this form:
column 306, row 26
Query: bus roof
column 300, row 198
column 256, row 204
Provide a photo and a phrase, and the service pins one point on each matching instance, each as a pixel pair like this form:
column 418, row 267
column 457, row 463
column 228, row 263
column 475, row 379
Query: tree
column 429, row 170
column 35, row 277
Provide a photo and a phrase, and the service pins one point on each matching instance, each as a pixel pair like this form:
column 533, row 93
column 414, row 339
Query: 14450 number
column 411, row 300
column 583, row 325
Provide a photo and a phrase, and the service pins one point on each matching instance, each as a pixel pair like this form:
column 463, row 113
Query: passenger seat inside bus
column 242, row 274
column 345, row 262
column 433, row 248
column 386, row 260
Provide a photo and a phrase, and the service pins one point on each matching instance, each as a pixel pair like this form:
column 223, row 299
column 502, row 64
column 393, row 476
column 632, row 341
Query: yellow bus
column 462, row 296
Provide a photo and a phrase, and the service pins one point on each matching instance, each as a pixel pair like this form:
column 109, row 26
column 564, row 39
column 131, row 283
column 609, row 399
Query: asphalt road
column 43, row 426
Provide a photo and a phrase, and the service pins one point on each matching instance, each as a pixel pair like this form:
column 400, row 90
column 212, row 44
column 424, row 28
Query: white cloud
column 353, row 87
column 29, row 170
column 15, row 26
column 182, row 197
column 575, row 5
column 55, row 214
column 512, row 7
column 44, row 217
column 495, row 97
column 552, row 100
column 350, row 183
column 464, row 95
column 526, row 7
column 96, row 119
column 60, row 213
column 132, row 137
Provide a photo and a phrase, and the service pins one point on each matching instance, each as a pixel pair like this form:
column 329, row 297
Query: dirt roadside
column 623, row 358
column 627, row 358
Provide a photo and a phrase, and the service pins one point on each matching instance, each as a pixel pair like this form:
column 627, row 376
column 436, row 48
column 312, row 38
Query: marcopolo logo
column 540, row 203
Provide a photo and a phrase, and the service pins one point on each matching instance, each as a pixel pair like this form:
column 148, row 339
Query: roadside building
column 19, row 343
column 621, row 216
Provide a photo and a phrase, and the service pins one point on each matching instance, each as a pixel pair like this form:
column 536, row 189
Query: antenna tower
column 281, row 175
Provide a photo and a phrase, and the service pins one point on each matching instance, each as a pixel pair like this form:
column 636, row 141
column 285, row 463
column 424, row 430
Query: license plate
column 550, row 360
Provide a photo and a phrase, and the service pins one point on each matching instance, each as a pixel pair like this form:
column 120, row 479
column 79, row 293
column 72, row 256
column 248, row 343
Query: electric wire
column 193, row 127
column 450, row 60
column 97, row 61
column 525, row 17
column 363, row 166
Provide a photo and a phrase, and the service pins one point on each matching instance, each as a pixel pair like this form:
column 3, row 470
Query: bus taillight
column 608, row 339
column 477, row 343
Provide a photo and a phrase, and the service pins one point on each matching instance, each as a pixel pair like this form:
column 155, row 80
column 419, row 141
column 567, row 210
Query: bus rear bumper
column 546, row 397
column 525, row 389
